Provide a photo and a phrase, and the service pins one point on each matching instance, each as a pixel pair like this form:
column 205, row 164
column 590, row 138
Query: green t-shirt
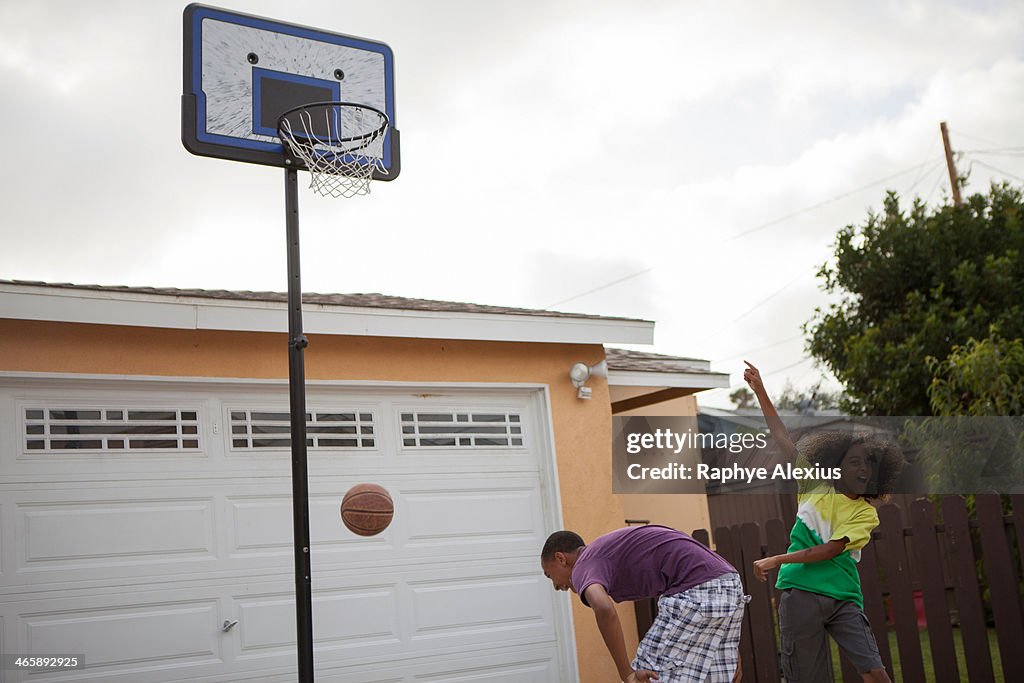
column 824, row 515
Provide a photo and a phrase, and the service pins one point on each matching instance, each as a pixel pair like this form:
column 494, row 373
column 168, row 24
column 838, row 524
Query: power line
column 924, row 171
column 826, row 202
column 598, row 289
column 1012, row 151
column 921, row 177
column 759, row 348
column 939, row 173
column 938, row 182
column 762, row 226
column 788, row 367
column 997, row 170
column 772, row 373
column 801, row 378
column 975, row 137
column 754, row 307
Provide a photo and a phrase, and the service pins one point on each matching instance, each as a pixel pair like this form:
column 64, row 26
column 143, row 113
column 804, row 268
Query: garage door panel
column 263, row 525
column 102, row 532
column 487, row 605
column 470, row 513
column 538, row 671
column 528, row 664
column 155, row 634
column 356, row 617
column 478, row 605
column 460, row 514
column 407, row 612
column 439, row 518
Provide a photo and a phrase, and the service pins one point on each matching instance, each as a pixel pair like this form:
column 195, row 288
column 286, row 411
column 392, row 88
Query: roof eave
column 683, row 380
column 194, row 313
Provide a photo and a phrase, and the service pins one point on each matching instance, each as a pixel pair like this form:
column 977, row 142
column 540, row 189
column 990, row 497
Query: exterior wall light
column 579, row 373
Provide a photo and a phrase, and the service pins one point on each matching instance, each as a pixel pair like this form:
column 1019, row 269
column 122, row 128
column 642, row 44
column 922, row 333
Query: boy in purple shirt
column 696, row 634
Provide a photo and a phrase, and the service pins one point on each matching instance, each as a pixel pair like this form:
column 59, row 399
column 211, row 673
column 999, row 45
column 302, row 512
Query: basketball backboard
column 241, row 72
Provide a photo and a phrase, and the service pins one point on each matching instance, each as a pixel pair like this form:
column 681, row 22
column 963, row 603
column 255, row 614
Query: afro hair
column 828, row 448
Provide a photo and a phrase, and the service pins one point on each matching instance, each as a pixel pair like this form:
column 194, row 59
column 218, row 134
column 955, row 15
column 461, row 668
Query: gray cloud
column 549, row 148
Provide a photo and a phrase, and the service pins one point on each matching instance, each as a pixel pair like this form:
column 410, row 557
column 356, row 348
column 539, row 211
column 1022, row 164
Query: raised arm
column 779, row 432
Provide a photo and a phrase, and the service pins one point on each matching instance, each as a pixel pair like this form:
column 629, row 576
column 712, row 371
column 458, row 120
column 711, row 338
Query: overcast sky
column 679, row 161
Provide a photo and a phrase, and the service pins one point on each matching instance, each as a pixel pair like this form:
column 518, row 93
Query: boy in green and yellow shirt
column 821, row 593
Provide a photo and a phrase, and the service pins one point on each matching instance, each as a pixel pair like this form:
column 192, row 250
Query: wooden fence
column 968, row 581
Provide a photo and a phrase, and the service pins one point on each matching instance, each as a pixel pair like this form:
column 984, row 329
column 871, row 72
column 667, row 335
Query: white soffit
column 46, row 303
column 667, row 380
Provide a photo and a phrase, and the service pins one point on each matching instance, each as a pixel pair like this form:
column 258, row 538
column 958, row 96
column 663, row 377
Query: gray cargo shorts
column 804, row 620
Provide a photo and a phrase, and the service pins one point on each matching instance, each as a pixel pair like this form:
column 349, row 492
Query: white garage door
column 140, row 520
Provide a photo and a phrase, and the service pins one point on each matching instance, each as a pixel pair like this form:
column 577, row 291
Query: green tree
column 975, row 441
column 979, row 378
column 814, row 398
column 914, row 284
column 742, row 398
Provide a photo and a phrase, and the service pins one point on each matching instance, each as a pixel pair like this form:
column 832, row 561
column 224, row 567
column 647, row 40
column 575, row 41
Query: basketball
column 367, row 509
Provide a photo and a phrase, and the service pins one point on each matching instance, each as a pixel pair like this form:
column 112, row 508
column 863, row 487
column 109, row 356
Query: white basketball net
column 341, row 145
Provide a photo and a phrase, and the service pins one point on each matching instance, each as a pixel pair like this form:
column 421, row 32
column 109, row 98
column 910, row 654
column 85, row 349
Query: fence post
column 727, row 544
column 970, row 609
column 778, row 543
column 1017, row 503
column 762, row 626
column 874, row 607
column 933, row 586
column 1002, row 582
column 901, row 593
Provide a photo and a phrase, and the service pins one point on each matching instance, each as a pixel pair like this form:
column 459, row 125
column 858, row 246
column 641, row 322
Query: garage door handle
column 228, row 625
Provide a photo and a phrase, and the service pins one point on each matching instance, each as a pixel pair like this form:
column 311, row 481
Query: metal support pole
column 297, row 343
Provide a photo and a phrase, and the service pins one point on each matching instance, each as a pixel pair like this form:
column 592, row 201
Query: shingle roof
column 346, row 300
column 642, row 361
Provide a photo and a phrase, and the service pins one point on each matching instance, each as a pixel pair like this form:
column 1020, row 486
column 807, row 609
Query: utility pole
column 953, row 181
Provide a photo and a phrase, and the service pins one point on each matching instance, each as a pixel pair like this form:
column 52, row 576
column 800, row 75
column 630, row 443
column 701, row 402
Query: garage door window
column 325, row 429
column 111, row 429
column 458, row 429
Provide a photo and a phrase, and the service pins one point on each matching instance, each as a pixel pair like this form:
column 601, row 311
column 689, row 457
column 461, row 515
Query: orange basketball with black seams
column 367, row 509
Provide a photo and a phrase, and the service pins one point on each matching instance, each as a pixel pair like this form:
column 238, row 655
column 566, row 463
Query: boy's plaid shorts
column 696, row 635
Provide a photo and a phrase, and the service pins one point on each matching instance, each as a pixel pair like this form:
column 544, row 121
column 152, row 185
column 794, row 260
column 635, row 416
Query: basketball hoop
column 339, row 143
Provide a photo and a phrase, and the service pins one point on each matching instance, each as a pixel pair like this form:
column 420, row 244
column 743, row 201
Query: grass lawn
column 926, row 654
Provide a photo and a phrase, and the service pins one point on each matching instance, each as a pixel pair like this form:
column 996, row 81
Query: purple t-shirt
column 645, row 562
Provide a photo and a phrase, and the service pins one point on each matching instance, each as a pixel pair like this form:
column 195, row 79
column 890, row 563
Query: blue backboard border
column 198, row 141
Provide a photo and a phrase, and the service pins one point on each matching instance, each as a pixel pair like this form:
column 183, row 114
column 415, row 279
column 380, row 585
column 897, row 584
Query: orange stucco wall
column 686, row 512
column 582, row 429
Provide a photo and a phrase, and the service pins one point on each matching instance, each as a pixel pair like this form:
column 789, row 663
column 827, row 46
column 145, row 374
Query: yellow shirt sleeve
column 854, row 520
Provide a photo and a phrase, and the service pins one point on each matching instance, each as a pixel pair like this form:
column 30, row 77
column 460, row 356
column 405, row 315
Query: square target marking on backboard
column 241, row 72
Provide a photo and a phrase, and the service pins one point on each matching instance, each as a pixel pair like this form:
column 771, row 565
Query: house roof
column 353, row 314
column 629, row 368
column 370, row 300
column 643, row 361
column 739, row 414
